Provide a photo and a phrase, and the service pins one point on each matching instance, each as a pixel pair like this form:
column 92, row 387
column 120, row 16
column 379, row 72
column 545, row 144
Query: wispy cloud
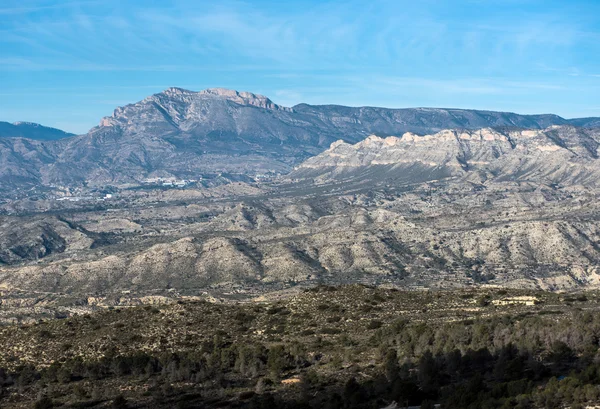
column 466, row 52
column 462, row 86
column 22, row 64
column 341, row 35
column 24, row 9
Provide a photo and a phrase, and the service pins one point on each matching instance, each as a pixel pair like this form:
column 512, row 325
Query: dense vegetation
column 349, row 347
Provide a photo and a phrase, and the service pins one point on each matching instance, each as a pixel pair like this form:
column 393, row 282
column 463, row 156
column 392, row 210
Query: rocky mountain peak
column 174, row 91
column 177, row 104
column 244, row 98
column 339, row 142
column 373, row 139
column 239, row 97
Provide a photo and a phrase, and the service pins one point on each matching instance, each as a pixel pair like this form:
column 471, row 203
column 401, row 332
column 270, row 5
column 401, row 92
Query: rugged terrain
column 208, row 250
column 501, row 206
column 346, row 347
column 559, row 155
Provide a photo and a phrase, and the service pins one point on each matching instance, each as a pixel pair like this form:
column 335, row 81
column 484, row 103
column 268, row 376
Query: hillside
column 437, row 234
column 31, row 130
column 352, row 347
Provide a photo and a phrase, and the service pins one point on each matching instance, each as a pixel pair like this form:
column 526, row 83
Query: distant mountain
column 183, row 134
column 586, row 122
column 31, row 130
column 363, row 121
column 556, row 155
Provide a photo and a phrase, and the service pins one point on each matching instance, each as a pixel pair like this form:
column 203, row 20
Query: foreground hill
column 184, row 134
column 347, row 347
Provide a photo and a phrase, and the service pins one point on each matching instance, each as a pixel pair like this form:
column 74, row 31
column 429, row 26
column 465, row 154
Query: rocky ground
column 277, row 238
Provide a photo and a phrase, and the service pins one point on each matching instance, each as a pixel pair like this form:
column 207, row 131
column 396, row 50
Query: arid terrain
column 315, row 204
column 459, row 208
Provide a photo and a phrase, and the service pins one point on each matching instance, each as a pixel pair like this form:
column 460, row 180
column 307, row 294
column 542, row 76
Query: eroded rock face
column 455, row 208
column 441, row 209
column 442, row 235
column 36, row 238
column 559, row 154
column 449, row 232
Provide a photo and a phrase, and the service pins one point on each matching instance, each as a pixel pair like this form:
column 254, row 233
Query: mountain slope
column 22, row 161
column 31, row 130
column 363, row 121
column 585, row 122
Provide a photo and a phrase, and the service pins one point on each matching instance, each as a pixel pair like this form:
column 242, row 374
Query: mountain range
column 184, row 134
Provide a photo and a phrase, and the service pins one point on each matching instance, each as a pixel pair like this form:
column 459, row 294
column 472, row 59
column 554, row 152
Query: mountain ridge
column 245, row 98
column 31, row 130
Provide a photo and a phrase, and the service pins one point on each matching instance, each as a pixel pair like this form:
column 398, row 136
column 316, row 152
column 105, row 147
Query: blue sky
column 69, row 63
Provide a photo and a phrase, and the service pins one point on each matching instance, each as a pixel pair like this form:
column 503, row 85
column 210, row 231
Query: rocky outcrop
column 36, row 238
column 242, row 98
column 558, row 154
